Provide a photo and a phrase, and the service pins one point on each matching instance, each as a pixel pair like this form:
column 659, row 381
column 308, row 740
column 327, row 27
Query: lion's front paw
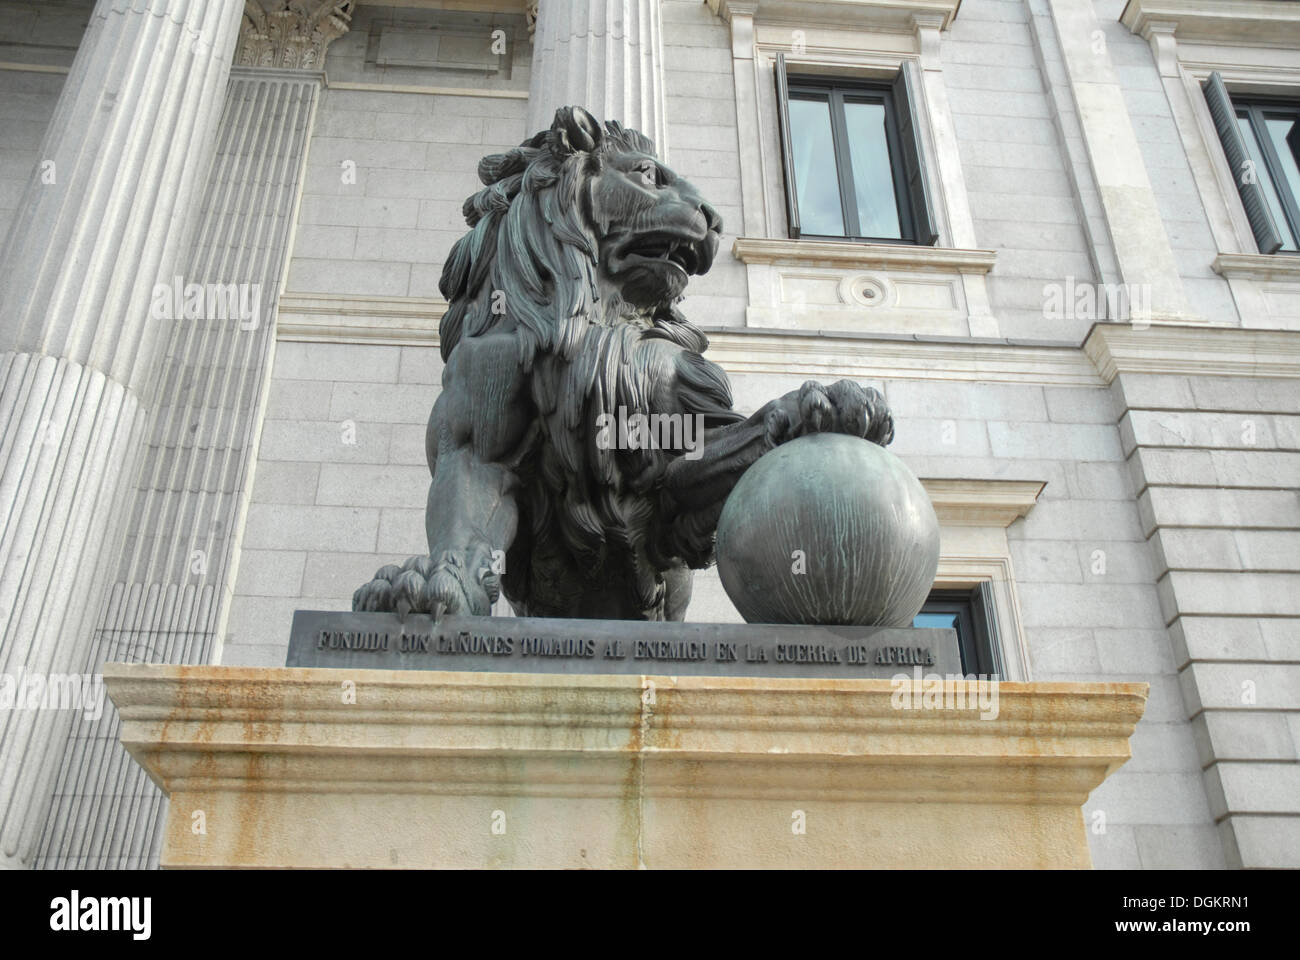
column 843, row 407
column 450, row 584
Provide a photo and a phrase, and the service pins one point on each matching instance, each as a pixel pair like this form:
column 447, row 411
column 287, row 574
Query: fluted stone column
column 104, row 218
column 605, row 55
column 177, row 573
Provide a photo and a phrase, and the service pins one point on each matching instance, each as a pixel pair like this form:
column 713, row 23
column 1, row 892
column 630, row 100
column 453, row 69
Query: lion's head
column 580, row 223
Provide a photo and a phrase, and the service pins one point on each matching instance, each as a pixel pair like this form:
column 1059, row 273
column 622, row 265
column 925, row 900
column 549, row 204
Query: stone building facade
column 1093, row 367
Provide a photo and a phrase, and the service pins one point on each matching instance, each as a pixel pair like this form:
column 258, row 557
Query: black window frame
column 916, row 218
column 836, row 94
column 977, row 632
column 1255, row 110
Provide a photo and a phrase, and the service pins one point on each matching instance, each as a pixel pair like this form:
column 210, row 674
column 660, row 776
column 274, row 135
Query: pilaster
column 1143, row 254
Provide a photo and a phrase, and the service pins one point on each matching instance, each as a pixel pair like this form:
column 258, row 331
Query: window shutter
column 906, row 101
column 1252, row 194
column 988, row 612
column 787, row 149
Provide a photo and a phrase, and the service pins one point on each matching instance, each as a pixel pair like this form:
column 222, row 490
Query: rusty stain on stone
column 590, row 773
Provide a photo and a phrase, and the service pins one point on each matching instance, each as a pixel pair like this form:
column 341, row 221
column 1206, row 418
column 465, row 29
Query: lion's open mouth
column 688, row 255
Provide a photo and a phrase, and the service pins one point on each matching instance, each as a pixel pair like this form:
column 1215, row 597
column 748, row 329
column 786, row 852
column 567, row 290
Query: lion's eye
column 649, row 174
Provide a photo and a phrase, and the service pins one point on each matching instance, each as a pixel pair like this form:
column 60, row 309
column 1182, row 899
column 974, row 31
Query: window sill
column 848, row 253
column 1266, row 288
column 1258, row 266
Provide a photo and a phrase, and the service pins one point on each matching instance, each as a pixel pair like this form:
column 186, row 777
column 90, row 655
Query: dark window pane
column 817, row 188
column 935, row 621
column 873, row 178
column 1266, row 182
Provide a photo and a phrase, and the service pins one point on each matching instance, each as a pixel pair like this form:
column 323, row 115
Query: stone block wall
column 1214, row 462
column 340, row 485
column 388, row 170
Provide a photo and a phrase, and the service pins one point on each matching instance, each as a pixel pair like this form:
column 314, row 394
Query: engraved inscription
column 526, row 645
column 668, row 651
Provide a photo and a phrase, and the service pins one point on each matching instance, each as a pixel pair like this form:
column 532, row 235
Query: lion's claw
column 425, row 585
column 376, row 595
column 843, row 407
column 816, row 414
column 851, row 405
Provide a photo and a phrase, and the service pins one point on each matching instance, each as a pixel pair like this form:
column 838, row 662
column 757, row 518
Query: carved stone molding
column 291, row 33
column 413, row 321
column 860, row 14
column 1269, row 23
column 1116, row 348
column 999, row 503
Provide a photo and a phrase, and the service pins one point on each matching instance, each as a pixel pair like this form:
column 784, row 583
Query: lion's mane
column 531, row 245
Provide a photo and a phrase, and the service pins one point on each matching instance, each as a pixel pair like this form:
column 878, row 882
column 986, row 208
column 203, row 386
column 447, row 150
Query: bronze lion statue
column 562, row 327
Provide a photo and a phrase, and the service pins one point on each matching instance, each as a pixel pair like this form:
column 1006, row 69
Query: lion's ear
column 576, row 130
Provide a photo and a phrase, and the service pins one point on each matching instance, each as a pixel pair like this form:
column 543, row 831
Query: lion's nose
column 712, row 219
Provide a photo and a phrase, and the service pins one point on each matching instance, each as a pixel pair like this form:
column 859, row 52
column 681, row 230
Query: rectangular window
column 852, row 159
column 970, row 613
column 1261, row 139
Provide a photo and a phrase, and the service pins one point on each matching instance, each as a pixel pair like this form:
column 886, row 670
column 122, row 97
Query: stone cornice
column 1257, row 266
column 1109, row 348
column 33, row 67
column 1116, row 348
column 832, row 355
column 856, row 14
column 1267, row 23
column 833, row 253
column 291, row 33
column 199, row 728
column 413, row 321
column 352, row 318
column 982, row 503
column 428, row 90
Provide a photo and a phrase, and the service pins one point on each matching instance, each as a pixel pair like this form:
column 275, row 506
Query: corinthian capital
column 291, row 33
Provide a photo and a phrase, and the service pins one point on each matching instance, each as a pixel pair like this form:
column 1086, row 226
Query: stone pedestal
column 371, row 768
column 605, row 55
